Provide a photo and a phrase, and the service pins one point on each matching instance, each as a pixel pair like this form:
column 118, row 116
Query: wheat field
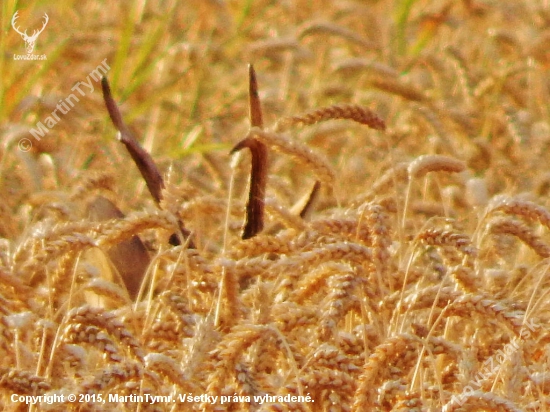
column 305, row 205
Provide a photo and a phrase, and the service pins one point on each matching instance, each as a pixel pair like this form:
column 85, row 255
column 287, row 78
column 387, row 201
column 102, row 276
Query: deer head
column 29, row 40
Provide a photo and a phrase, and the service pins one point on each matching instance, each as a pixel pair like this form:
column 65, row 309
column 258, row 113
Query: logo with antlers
column 30, row 41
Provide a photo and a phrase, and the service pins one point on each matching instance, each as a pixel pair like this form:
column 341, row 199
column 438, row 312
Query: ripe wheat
column 401, row 266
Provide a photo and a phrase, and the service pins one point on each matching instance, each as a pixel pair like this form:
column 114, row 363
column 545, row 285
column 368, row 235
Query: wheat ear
column 298, row 151
column 383, row 354
column 479, row 400
column 507, row 226
column 229, row 350
column 434, row 163
column 23, row 382
column 359, row 114
column 523, row 209
column 108, row 322
column 320, row 27
column 116, row 374
column 167, row 367
column 338, row 302
column 429, row 163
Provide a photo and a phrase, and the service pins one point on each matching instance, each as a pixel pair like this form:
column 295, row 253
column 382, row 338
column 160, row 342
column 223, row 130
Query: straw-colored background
column 418, row 280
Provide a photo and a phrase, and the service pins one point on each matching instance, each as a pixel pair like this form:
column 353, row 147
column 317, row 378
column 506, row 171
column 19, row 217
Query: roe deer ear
column 129, row 257
column 258, row 178
column 140, row 156
column 258, row 175
column 143, row 160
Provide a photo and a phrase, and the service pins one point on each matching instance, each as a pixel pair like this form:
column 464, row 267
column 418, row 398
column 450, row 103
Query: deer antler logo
column 29, row 40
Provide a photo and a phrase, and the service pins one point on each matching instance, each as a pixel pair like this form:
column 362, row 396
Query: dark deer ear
column 143, row 160
column 258, row 175
column 129, row 257
column 140, row 156
column 258, row 178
